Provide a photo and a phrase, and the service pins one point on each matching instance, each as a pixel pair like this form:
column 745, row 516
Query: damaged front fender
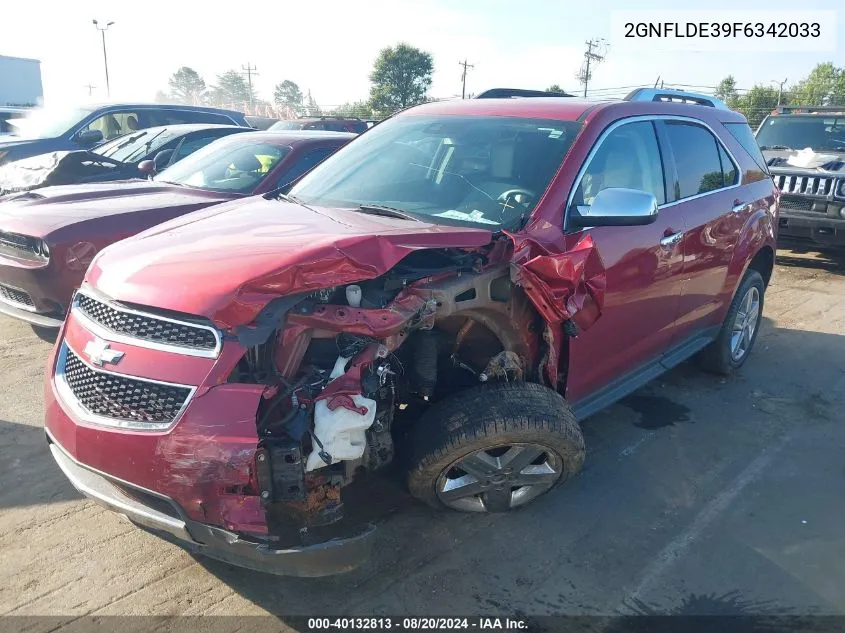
column 563, row 286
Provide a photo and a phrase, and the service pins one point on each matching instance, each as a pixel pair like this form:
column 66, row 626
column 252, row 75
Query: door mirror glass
column 616, row 206
column 88, row 138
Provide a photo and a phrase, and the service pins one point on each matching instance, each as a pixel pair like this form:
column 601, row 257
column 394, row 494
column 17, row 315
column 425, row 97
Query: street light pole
column 780, row 88
column 102, row 31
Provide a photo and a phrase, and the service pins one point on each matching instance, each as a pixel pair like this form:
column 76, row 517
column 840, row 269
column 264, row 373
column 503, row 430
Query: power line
column 464, row 77
column 585, row 74
column 249, row 71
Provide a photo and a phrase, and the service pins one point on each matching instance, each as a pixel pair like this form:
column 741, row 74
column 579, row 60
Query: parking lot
column 700, row 495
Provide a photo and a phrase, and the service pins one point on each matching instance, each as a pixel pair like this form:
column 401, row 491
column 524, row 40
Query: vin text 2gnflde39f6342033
column 449, row 293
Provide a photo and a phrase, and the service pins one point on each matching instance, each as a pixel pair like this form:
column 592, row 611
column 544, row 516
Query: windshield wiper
column 388, row 212
column 128, row 141
column 774, row 147
column 279, row 194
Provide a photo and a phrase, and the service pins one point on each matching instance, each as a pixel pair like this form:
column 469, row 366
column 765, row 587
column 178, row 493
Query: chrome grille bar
column 819, row 187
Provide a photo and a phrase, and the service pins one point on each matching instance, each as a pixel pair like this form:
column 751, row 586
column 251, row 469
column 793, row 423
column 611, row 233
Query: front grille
column 116, row 397
column 794, row 203
column 16, row 244
column 13, row 295
column 805, row 185
column 147, row 327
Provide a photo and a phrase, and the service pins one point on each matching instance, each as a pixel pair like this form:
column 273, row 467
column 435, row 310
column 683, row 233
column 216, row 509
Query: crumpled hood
column 55, row 168
column 41, row 212
column 228, row 262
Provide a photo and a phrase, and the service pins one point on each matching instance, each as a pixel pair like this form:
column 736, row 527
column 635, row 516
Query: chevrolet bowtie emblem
column 98, row 351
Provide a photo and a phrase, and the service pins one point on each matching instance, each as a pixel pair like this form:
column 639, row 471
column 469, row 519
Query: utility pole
column 102, row 30
column 780, row 88
column 250, row 71
column 90, row 88
column 585, row 74
column 464, row 77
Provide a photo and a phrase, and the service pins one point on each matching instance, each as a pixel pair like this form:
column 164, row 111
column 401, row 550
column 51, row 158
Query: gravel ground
column 700, row 495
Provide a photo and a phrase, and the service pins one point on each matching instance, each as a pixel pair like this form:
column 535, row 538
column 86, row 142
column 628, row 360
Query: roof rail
column 675, row 96
column 799, row 109
column 511, row 93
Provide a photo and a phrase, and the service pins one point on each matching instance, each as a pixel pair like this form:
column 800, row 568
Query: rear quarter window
column 745, row 137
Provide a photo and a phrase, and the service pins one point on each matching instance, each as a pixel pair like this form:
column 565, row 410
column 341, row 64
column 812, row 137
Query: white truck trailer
column 20, row 88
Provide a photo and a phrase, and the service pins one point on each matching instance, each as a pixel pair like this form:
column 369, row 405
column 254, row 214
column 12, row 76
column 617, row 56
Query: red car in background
column 459, row 287
column 49, row 236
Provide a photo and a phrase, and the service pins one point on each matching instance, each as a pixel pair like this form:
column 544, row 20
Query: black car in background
column 135, row 155
column 328, row 123
column 68, row 129
column 260, row 122
column 804, row 149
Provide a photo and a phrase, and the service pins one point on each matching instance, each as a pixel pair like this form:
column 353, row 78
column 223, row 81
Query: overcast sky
column 329, row 46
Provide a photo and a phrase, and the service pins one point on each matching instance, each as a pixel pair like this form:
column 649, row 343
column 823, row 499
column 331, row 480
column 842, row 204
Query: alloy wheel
column 745, row 324
column 499, row 478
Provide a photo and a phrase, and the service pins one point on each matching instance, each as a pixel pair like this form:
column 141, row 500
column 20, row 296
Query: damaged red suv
column 451, row 292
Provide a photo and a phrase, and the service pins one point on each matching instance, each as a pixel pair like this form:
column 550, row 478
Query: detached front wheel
column 494, row 447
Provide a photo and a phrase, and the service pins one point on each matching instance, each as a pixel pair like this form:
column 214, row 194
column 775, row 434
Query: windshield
column 131, row 148
column 798, row 132
column 50, row 122
column 230, row 164
column 481, row 171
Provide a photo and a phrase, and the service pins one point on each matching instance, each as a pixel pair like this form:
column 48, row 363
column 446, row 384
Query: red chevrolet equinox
column 450, row 293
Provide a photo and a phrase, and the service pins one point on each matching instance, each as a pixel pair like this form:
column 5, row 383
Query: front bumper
column 34, row 292
column 162, row 515
column 813, row 227
column 23, row 314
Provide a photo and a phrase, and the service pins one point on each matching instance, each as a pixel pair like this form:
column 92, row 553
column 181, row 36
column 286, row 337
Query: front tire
column 494, row 448
column 739, row 330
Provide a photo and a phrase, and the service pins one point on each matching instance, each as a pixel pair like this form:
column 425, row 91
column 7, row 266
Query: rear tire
column 739, row 329
column 494, row 447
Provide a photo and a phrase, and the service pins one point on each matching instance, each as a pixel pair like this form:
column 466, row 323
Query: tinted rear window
column 743, row 134
column 696, row 154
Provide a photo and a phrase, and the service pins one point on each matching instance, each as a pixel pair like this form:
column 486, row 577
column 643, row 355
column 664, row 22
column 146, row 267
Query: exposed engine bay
column 348, row 367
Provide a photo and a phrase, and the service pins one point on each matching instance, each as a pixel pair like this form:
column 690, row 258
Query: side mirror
column 617, row 207
column 147, row 167
column 88, row 138
column 162, row 159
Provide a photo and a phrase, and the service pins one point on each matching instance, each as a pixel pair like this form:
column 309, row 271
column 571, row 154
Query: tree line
column 823, row 86
column 401, row 77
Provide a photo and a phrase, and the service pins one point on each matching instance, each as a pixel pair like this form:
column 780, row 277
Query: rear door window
column 730, row 174
column 697, row 161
